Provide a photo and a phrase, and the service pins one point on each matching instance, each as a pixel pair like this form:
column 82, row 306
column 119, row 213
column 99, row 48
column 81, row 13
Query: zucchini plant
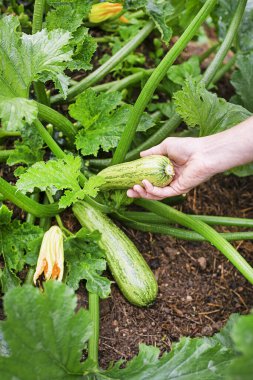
column 59, row 126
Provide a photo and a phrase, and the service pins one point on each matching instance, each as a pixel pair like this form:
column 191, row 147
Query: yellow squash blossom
column 102, row 11
column 51, row 256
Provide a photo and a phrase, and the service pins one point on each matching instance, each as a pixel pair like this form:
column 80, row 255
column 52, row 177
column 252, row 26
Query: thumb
column 157, row 149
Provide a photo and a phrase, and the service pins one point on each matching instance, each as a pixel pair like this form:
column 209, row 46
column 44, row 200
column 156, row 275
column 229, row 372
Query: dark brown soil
column 198, row 288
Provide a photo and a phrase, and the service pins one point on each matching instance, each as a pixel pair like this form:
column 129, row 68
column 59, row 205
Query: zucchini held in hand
column 156, row 169
column 129, row 269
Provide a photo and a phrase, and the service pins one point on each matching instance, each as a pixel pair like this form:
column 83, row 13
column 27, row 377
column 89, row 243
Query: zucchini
column 129, row 269
column 155, row 168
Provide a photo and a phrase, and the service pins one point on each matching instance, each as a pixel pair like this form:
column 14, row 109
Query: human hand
column 190, row 164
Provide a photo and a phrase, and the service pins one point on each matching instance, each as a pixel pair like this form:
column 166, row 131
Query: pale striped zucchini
column 129, row 269
column 155, row 168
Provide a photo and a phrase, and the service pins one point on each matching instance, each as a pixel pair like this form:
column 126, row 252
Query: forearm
column 231, row 148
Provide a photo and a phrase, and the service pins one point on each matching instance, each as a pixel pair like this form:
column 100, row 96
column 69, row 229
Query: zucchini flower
column 102, row 11
column 51, row 256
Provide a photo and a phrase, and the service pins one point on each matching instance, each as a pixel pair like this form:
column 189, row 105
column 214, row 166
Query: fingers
column 153, row 192
column 139, row 192
column 157, row 149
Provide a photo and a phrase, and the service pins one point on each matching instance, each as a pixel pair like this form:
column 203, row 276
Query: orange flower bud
column 51, row 256
column 124, row 19
column 102, row 11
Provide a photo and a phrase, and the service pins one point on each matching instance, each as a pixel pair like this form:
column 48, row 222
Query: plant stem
column 150, row 217
column 45, row 222
column 224, row 69
column 38, row 11
column 59, row 121
column 4, row 154
column 227, row 42
column 185, row 234
column 4, row 134
column 29, row 276
column 15, row 196
column 130, row 80
column 53, row 146
column 93, row 341
column 203, row 229
column 103, row 70
column 30, row 218
column 154, row 80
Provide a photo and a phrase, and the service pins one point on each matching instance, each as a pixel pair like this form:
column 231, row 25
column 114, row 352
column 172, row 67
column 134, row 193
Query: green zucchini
column 129, row 269
column 155, row 168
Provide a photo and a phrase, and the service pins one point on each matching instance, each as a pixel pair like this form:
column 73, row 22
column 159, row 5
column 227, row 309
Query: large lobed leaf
column 24, row 59
column 17, row 240
column 43, row 336
column 85, row 261
column 56, row 175
column 103, row 120
column 199, row 107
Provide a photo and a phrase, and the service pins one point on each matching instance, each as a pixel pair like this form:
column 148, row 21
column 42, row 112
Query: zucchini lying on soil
column 155, row 168
column 129, row 269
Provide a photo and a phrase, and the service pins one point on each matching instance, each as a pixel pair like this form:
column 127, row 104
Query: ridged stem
column 53, row 146
column 59, row 121
column 4, row 134
column 38, row 11
column 4, row 154
column 227, row 42
column 103, row 70
column 154, row 80
column 150, row 217
column 30, row 218
column 185, row 234
column 25, row 203
column 94, row 339
column 203, row 229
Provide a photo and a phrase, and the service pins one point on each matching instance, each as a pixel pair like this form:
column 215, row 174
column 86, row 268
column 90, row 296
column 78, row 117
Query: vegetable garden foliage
column 56, row 163
column 52, row 337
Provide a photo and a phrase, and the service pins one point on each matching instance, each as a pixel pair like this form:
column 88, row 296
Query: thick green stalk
column 25, row 203
column 93, row 341
column 4, row 134
column 59, row 121
column 227, row 42
column 203, row 229
column 130, row 80
column 53, row 146
column 30, row 218
column 103, row 70
column 150, row 217
column 29, row 276
column 224, row 69
column 154, row 80
column 38, row 11
column 185, row 234
column 4, row 154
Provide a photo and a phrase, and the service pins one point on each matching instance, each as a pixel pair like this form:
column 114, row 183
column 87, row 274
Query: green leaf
column 199, row 107
column 44, row 335
column 69, row 15
column 242, row 80
column 15, row 238
column 56, row 175
column 5, row 215
column 189, row 359
column 24, row 59
column 8, row 280
column 242, row 334
column 159, row 11
column 52, row 175
column 243, row 170
column 103, row 120
column 189, row 69
column 29, row 150
column 85, row 261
